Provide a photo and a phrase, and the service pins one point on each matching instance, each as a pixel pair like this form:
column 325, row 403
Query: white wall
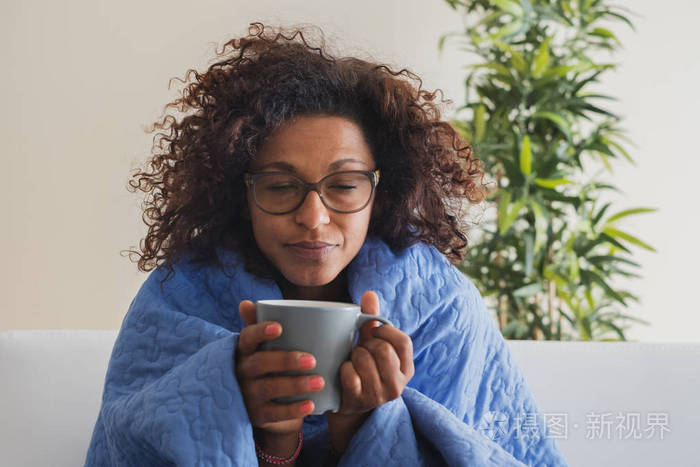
column 82, row 79
column 657, row 87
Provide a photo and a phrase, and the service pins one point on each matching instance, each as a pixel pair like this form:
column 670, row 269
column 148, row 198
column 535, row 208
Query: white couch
column 51, row 383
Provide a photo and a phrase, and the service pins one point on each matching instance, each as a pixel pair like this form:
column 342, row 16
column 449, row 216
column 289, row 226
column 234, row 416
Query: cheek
column 356, row 229
column 263, row 227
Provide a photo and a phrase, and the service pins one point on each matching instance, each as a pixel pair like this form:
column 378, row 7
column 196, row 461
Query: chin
column 312, row 279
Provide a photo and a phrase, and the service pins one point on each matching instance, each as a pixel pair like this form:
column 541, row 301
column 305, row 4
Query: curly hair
column 196, row 197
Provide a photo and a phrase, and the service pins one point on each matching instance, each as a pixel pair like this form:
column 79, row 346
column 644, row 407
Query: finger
column 402, row 344
column 350, row 382
column 266, row 389
column 273, row 412
column 369, row 304
column 253, row 335
column 366, row 368
column 273, row 361
column 247, row 311
column 387, row 361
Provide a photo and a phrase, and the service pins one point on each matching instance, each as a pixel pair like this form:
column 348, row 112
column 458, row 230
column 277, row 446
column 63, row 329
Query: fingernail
column 316, row 382
column 307, row 407
column 271, row 329
column 307, row 361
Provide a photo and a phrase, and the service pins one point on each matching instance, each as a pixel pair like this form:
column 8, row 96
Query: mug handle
column 364, row 317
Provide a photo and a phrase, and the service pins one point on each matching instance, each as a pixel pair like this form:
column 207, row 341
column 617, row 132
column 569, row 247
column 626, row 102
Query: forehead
column 315, row 143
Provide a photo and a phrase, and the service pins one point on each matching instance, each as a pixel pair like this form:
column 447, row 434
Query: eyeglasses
column 281, row 192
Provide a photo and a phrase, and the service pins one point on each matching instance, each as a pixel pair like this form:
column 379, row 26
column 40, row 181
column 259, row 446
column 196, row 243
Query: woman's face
column 312, row 245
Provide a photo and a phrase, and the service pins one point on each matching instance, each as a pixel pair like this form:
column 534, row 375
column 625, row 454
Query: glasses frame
column 250, row 179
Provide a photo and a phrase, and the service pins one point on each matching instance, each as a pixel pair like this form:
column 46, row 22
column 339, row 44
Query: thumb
column 247, row 310
column 369, row 305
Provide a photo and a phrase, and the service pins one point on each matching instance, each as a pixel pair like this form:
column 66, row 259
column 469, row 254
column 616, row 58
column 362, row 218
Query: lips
column 311, row 245
column 311, row 250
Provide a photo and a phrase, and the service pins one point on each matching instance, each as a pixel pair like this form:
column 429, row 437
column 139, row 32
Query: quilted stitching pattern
column 171, row 396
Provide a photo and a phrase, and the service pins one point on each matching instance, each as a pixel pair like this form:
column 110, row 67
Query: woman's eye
column 339, row 187
column 280, row 188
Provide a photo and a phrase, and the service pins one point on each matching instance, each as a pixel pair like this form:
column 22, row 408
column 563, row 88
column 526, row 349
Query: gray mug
column 326, row 330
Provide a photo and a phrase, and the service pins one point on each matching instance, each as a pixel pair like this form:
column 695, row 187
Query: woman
column 297, row 175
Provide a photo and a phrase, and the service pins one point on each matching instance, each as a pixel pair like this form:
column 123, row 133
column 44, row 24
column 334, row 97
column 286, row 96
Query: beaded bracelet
column 270, row 459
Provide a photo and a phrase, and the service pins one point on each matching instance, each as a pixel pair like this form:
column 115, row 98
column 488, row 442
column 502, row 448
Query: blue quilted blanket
column 171, row 396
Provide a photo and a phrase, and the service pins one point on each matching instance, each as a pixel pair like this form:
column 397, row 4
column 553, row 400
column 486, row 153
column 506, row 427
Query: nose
column 312, row 213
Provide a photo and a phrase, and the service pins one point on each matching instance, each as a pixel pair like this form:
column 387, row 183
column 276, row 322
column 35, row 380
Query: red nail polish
column 307, row 361
column 316, row 382
column 307, row 407
column 271, row 330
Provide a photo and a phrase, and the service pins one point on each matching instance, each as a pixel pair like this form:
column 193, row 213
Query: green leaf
column 541, row 61
column 497, row 67
column 605, row 33
column 591, row 95
column 516, row 59
column 507, row 30
column 566, row 9
column 526, row 156
column 557, row 119
column 445, row 37
column 551, row 182
column 591, row 302
column 579, row 106
column 489, row 19
column 617, row 146
column 632, row 318
column 574, row 271
column 583, row 246
column 528, row 290
column 453, row 3
column 556, row 196
column 620, row 17
column 563, row 70
column 507, row 221
column 601, row 259
column 614, row 327
column 604, row 159
column 503, row 204
column 509, row 6
column 479, row 122
column 476, row 38
column 630, row 238
column 598, row 216
column 591, row 276
column 628, row 212
column 614, row 242
column 560, row 71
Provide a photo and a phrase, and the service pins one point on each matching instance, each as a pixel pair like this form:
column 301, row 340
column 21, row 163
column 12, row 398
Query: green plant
column 548, row 261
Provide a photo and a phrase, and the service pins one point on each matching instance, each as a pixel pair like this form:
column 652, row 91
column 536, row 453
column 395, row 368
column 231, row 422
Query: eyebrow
column 289, row 167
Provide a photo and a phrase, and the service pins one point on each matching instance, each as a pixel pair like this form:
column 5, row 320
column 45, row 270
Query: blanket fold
column 171, row 395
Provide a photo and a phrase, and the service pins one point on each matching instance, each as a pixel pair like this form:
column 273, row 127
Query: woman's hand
column 258, row 388
column 380, row 367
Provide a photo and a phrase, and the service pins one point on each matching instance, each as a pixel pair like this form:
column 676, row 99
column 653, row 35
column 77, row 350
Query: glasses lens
column 343, row 191
column 347, row 191
column 278, row 192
